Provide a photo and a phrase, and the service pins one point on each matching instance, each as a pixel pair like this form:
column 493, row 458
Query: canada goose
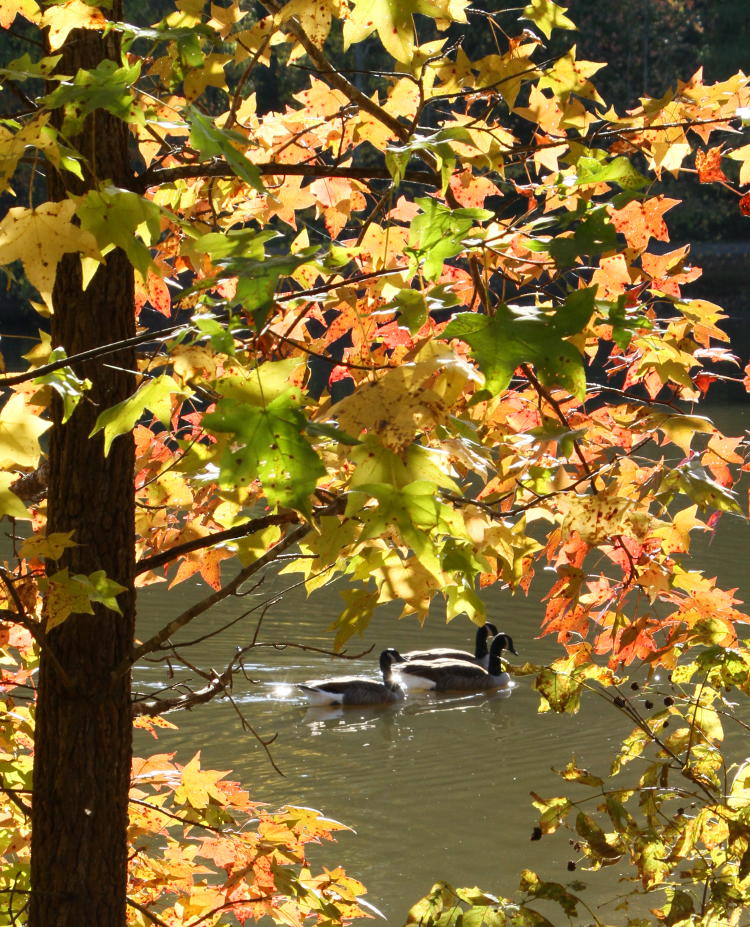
column 353, row 690
column 448, row 675
column 481, row 654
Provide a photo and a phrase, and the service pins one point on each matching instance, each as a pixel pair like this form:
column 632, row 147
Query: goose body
column 458, row 675
column 354, row 690
column 480, row 656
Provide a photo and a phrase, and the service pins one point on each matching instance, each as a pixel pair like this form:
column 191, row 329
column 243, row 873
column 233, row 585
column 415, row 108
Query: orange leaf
column 640, row 222
column 708, row 164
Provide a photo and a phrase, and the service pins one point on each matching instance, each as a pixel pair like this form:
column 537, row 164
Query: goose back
column 355, row 690
column 458, row 675
column 480, row 656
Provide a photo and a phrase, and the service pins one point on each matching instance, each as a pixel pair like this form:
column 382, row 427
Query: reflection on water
column 435, row 787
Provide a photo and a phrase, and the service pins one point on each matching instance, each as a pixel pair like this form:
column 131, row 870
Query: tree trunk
column 83, row 729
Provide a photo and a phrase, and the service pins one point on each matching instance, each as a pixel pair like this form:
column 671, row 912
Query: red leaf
column 745, row 205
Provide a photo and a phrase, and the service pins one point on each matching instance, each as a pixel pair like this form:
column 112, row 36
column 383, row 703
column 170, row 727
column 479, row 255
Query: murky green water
column 435, row 787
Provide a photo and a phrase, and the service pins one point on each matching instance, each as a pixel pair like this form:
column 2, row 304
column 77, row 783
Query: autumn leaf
column 708, row 165
column 640, row 222
column 157, row 395
column 39, row 238
column 20, row 430
column 10, row 504
column 392, row 19
column 547, row 16
column 62, row 18
column 9, row 9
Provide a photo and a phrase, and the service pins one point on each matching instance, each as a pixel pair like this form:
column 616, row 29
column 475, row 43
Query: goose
column 480, row 656
column 354, row 690
column 452, row 675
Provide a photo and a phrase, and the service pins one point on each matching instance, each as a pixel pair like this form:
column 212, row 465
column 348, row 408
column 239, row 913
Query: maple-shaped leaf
column 9, row 9
column 516, row 335
column 212, row 142
column 62, row 18
column 268, row 445
column 595, row 170
column 13, row 144
column 39, row 546
column 547, row 16
column 19, row 434
column 122, row 219
column 198, row 785
column 354, row 619
column 392, row 19
column 569, row 75
column 593, row 234
column 39, row 238
column 65, row 383
column 156, row 395
column 10, row 504
column 73, row 594
column 106, row 86
column 640, row 222
column 438, row 233
column 708, row 165
column 743, row 156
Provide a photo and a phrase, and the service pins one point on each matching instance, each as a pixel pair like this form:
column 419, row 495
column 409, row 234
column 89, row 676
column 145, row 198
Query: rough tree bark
column 83, row 732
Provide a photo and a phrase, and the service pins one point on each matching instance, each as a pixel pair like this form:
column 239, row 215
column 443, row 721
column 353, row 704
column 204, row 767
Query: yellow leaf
column 9, row 9
column 10, row 504
column 394, row 24
column 73, row 14
column 13, row 145
column 742, row 154
column 547, row 16
column 39, row 238
column 19, row 434
column 199, row 785
column 41, row 351
column 52, row 546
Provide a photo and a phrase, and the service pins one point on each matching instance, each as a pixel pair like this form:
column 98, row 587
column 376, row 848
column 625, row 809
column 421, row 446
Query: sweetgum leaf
column 213, row 142
column 512, row 337
column 268, row 445
column 154, row 395
column 122, row 219
column 106, row 86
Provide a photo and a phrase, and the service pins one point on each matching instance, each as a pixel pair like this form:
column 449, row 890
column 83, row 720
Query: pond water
column 436, row 787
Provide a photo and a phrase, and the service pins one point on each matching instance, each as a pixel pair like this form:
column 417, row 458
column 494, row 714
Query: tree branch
column 220, row 168
column 231, row 534
column 156, row 706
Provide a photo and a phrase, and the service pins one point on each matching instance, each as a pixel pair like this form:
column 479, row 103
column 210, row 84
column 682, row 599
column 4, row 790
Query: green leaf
column 261, row 384
column 107, row 87
column 438, row 233
column 213, row 142
column 65, row 383
column 122, row 219
column 268, row 444
column 697, row 483
column 155, row 395
column 593, row 235
column 397, row 157
column 517, row 335
column 618, row 170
